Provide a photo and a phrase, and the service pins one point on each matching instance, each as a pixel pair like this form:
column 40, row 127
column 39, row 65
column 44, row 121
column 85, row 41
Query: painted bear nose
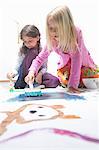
column 33, row 111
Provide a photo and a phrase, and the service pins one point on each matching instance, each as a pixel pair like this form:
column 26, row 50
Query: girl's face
column 30, row 42
column 53, row 32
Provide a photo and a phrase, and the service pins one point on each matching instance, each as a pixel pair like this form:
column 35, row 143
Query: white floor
column 70, row 123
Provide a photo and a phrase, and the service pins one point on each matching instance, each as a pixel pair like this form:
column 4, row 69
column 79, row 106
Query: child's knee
column 56, row 82
column 91, row 83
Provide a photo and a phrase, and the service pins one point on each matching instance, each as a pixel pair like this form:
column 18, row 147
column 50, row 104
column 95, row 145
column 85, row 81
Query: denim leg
column 20, row 84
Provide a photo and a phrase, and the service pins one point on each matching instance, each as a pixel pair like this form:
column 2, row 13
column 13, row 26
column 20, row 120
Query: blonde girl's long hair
column 63, row 21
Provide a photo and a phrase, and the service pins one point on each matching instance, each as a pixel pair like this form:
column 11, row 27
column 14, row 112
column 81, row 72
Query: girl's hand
column 10, row 75
column 73, row 90
column 39, row 78
column 30, row 77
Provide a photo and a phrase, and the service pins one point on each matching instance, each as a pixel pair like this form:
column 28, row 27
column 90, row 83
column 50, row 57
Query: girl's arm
column 14, row 71
column 39, row 61
column 36, row 64
column 79, row 58
column 43, row 68
column 18, row 62
column 76, row 63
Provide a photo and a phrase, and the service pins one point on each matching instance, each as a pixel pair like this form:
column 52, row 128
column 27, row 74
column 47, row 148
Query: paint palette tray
column 33, row 93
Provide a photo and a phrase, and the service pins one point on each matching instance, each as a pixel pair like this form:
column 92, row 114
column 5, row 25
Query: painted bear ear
column 91, row 83
column 69, row 117
column 57, row 106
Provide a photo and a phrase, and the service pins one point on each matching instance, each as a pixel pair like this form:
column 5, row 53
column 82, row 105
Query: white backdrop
column 15, row 14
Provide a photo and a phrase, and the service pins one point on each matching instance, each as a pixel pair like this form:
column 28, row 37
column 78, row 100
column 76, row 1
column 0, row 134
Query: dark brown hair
column 30, row 31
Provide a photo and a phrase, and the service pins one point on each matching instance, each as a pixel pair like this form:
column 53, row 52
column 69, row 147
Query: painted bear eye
column 40, row 107
column 41, row 115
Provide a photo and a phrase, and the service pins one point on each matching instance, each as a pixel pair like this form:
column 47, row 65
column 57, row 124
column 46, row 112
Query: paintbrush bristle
column 33, row 93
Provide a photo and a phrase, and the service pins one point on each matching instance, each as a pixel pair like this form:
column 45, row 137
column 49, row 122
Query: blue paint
column 73, row 97
column 47, row 96
column 33, row 94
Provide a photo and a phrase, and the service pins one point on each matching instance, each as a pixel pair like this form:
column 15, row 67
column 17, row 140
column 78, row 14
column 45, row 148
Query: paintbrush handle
column 11, row 85
column 31, row 85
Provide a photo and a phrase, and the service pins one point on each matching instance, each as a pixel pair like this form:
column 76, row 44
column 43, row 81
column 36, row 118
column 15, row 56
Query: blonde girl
column 66, row 40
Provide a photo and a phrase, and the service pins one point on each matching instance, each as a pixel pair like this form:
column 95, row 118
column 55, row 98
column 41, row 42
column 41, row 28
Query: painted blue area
column 33, row 94
column 73, row 97
column 47, row 96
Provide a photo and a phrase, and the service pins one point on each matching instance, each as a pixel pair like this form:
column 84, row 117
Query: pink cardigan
column 78, row 59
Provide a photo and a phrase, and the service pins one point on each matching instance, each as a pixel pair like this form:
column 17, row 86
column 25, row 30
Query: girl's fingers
column 26, row 79
column 73, row 90
column 29, row 79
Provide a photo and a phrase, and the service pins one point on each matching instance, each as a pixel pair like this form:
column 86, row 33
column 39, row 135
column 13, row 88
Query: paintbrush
column 32, row 91
column 11, row 85
column 31, row 85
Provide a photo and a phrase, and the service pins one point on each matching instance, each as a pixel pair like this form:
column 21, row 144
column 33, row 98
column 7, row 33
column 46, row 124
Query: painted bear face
column 38, row 112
